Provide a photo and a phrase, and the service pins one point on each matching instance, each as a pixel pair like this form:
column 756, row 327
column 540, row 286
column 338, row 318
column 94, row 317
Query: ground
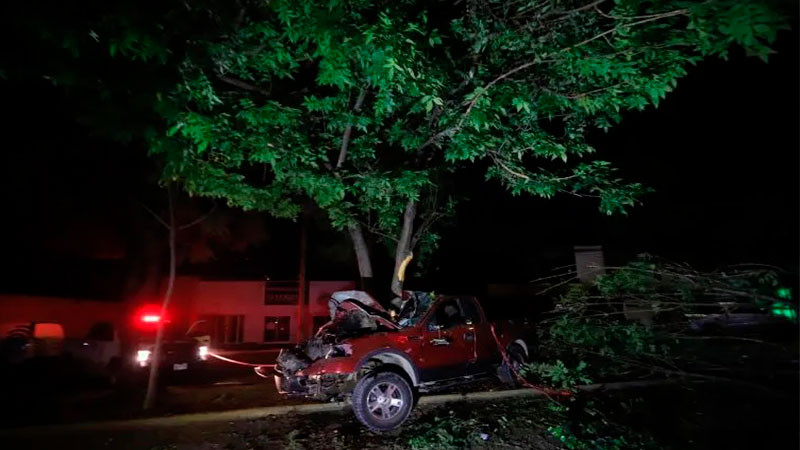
column 43, row 395
column 443, row 426
column 704, row 416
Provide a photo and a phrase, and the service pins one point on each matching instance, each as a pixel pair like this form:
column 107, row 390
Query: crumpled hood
column 358, row 310
column 360, row 296
column 353, row 314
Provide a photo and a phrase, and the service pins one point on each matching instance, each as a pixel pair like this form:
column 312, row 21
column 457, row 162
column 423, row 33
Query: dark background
column 721, row 154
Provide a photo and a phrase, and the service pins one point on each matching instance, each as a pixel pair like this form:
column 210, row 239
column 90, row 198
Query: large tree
column 367, row 107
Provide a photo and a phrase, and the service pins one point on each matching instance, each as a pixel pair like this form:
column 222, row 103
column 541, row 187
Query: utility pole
column 301, row 278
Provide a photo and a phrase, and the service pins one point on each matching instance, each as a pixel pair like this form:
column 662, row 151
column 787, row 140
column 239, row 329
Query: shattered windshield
column 413, row 308
column 355, row 312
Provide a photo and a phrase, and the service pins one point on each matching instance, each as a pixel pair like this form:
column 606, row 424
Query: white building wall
column 234, row 298
column 246, row 298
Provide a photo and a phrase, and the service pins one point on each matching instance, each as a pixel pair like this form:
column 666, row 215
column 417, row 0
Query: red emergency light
column 149, row 317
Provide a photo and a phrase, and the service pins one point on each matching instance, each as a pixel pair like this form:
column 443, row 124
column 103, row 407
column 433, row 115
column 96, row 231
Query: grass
column 676, row 418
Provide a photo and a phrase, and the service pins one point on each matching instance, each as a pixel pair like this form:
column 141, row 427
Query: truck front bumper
column 318, row 387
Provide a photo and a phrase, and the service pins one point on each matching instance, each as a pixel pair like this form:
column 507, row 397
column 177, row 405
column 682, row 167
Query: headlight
column 142, row 356
column 202, row 352
column 339, row 350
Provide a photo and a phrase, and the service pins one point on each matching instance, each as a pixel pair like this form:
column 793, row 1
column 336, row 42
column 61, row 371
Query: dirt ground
column 219, row 388
column 314, row 431
column 41, row 395
column 707, row 418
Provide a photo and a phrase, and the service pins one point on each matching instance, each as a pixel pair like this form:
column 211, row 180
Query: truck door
column 103, row 343
column 447, row 343
column 485, row 349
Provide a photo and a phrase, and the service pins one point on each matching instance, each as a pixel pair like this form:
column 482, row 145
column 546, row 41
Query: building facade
column 233, row 313
column 256, row 312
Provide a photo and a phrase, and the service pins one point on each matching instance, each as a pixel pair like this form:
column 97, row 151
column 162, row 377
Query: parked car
column 181, row 350
column 22, row 341
column 382, row 364
column 102, row 352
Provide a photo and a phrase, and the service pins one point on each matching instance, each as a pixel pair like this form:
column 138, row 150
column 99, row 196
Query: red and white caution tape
column 257, row 368
column 545, row 390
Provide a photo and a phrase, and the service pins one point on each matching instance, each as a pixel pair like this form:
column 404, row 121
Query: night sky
column 721, row 154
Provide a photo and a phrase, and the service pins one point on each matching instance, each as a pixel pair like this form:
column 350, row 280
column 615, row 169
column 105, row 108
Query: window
column 223, row 329
column 281, row 293
column 469, row 310
column 320, row 321
column 276, row 328
column 447, row 315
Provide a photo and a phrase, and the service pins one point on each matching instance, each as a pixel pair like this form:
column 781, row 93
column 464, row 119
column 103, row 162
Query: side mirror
column 468, row 322
column 194, row 325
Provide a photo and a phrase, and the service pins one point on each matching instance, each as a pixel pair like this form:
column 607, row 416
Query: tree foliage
column 637, row 320
column 363, row 106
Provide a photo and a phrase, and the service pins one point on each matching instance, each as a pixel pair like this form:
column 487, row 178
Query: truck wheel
column 113, row 369
column 382, row 402
column 516, row 356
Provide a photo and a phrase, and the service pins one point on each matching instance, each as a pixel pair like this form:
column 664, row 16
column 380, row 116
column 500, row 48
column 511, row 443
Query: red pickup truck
column 381, row 363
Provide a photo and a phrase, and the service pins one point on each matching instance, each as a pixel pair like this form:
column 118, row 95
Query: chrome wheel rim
column 385, row 400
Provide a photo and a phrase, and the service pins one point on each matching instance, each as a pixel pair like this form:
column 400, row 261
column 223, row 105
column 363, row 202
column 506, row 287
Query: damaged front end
column 306, row 370
column 299, row 374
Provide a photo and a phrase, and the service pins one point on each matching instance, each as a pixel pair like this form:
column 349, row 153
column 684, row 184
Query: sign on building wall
column 281, row 293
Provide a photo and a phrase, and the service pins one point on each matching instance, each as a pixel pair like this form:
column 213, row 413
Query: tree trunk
column 145, row 268
column 403, row 253
column 362, row 256
column 152, row 381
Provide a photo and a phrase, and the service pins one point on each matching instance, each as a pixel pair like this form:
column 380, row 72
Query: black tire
column 113, row 370
column 516, row 356
column 382, row 401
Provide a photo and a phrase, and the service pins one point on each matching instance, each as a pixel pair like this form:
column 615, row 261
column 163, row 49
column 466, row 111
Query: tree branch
column 677, row 12
column 199, row 219
column 609, row 16
column 430, row 219
column 438, row 135
column 570, row 11
column 156, row 216
column 452, row 130
column 508, row 169
column 243, row 84
column 349, row 129
column 495, row 81
column 376, row 231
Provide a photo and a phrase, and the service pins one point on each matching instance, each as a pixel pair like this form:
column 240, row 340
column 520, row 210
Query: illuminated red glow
column 149, row 317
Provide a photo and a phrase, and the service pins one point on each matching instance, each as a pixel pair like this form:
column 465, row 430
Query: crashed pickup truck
column 382, row 362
